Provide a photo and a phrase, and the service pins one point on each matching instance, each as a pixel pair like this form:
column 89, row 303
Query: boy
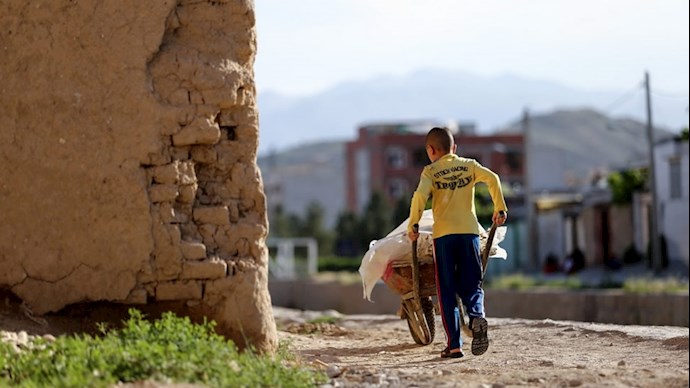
column 450, row 180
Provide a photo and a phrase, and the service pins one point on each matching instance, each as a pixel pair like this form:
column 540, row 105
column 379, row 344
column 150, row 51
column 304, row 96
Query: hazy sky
column 305, row 46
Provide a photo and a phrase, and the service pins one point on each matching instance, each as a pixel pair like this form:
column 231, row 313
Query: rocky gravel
column 378, row 351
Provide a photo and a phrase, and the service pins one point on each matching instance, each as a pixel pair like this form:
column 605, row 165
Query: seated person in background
column 574, row 262
column 551, row 264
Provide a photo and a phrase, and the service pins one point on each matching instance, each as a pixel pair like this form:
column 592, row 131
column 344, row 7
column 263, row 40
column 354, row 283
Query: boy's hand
column 414, row 233
column 499, row 218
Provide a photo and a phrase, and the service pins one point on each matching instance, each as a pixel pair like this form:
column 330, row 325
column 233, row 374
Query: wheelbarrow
column 415, row 282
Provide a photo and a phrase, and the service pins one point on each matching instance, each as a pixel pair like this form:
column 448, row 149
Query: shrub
column 171, row 349
column 336, row 263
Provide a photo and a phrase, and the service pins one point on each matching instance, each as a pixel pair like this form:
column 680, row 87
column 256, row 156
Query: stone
column 164, row 174
column 204, row 154
column 163, row 193
column 207, row 231
column 207, row 269
column 333, row 371
column 166, row 212
column 186, row 173
column 187, row 193
column 234, row 211
column 227, row 117
column 216, row 215
column 199, row 131
column 192, row 250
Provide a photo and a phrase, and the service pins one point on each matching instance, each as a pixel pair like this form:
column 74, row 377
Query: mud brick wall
column 128, row 137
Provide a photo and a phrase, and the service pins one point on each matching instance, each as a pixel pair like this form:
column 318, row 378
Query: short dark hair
column 440, row 138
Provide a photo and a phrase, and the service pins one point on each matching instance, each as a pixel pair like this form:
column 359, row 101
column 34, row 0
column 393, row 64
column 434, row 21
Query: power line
column 669, row 95
column 623, row 98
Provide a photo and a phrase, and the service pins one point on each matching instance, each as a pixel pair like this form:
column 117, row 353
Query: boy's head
column 439, row 142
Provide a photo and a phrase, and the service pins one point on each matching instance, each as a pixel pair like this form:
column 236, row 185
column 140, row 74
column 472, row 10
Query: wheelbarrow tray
column 419, row 312
column 398, row 277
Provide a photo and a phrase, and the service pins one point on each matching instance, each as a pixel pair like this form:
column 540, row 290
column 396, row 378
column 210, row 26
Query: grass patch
column 524, row 282
column 654, row 286
column 342, row 277
column 169, row 350
column 636, row 285
column 325, row 319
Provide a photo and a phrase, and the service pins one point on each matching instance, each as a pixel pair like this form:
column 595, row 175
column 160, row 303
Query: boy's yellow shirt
column 450, row 181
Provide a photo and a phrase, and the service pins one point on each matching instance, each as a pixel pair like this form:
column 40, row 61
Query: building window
column 396, row 157
column 675, row 178
column 397, row 188
column 420, row 158
column 514, row 160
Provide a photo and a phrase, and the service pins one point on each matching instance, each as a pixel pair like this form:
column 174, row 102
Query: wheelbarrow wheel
column 420, row 327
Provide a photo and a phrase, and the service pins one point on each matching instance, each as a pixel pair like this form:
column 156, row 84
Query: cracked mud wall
column 128, row 137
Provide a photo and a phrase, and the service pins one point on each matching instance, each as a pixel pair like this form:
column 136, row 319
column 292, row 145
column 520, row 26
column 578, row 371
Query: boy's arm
column 483, row 174
column 419, row 200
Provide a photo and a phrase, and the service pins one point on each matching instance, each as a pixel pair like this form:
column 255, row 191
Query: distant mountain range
column 490, row 102
column 570, row 149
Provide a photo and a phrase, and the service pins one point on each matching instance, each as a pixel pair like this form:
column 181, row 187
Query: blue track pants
column 458, row 272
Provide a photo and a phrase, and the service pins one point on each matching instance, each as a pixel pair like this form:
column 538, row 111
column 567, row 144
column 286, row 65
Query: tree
column 483, row 204
column 279, row 225
column 313, row 226
column 376, row 220
column 624, row 183
column 401, row 211
column 347, row 241
column 313, row 219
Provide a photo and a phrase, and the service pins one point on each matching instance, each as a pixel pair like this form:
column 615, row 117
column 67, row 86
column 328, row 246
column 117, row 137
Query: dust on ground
column 378, row 350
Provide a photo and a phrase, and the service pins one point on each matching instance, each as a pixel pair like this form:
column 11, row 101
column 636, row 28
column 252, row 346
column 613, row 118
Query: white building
column 671, row 160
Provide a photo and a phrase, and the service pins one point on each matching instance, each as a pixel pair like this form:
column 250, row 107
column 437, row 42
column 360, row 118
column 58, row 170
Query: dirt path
column 377, row 350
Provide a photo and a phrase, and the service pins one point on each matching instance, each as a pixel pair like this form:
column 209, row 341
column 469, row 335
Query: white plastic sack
column 396, row 246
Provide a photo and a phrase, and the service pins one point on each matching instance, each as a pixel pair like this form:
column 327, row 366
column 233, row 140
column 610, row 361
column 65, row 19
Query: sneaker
column 446, row 353
column 480, row 338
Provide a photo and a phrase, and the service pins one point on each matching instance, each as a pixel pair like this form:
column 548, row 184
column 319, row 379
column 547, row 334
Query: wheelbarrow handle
column 415, row 270
column 489, row 243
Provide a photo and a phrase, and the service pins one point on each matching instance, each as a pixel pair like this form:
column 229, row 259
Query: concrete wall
column 586, row 306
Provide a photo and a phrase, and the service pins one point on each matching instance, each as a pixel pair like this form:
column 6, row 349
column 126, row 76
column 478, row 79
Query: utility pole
column 532, row 241
column 654, row 224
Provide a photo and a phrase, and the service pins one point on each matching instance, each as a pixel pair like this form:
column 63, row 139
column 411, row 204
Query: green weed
column 654, row 286
column 169, row 350
column 634, row 285
column 324, row 319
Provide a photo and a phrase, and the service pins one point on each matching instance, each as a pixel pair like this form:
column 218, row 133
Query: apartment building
column 389, row 157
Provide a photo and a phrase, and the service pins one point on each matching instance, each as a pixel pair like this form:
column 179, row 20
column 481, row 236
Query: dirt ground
column 377, row 350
